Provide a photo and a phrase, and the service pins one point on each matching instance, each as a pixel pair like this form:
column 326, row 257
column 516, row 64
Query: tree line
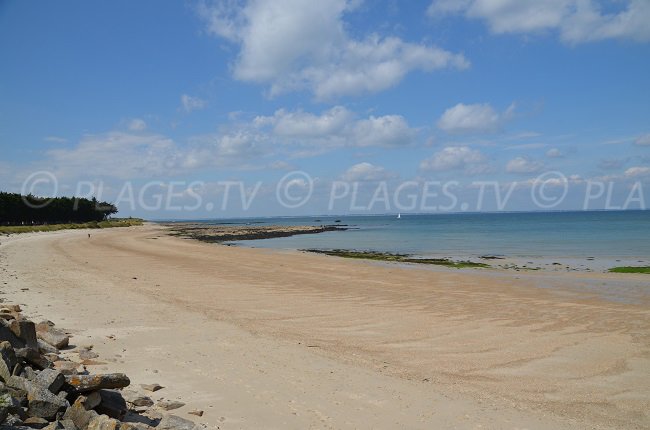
column 17, row 209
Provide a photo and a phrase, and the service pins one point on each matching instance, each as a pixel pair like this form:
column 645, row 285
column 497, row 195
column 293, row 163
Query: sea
column 609, row 235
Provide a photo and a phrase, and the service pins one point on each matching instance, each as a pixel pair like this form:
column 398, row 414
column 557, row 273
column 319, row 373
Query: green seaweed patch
column 398, row 258
column 630, row 269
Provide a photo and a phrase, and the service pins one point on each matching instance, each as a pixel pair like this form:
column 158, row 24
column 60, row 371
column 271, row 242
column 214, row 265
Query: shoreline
column 449, row 347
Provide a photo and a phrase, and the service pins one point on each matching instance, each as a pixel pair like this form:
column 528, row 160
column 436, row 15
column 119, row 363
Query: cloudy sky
column 198, row 95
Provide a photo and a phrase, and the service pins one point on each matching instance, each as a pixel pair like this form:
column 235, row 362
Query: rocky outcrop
column 41, row 390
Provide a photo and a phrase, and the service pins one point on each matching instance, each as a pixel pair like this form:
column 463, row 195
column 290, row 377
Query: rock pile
column 41, row 390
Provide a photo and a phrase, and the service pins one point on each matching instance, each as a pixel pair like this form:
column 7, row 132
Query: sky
column 211, row 109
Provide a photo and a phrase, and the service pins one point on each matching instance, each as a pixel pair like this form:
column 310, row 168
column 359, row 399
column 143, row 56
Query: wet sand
column 272, row 339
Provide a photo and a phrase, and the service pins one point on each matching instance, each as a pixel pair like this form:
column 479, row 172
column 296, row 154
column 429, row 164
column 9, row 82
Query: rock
column 66, row 367
column 112, row 404
column 46, row 348
column 102, row 422
column 87, row 354
column 33, row 357
column 86, row 383
column 78, row 414
column 197, row 412
column 51, row 379
column 12, row 308
column 55, row 337
column 169, row 405
column 42, row 402
column 136, row 399
column 17, row 382
column 25, row 330
column 173, row 422
column 135, row 426
column 93, row 400
column 36, row 422
column 7, row 360
column 152, row 387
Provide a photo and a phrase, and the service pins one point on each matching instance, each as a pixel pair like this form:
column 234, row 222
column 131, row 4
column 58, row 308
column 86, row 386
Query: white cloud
column 366, row 172
column 297, row 45
column 576, row 21
column 523, row 165
column 474, row 118
column 137, row 124
column 643, row 140
column 337, row 127
column 189, row 103
column 554, row 153
column 455, row 158
column 637, row 172
column 115, row 154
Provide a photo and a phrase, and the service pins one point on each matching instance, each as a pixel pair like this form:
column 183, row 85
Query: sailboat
column 399, row 215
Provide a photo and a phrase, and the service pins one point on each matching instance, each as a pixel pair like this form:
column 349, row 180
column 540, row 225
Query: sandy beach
column 289, row 340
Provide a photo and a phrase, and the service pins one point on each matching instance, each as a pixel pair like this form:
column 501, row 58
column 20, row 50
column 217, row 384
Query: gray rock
column 46, row 348
column 173, row 422
column 51, row 379
column 86, row 354
column 93, row 400
column 25, row 330
column 78, row 414
column 136, row 399
column 36, row 422
column 55, row 337
column 42, row 402
column 7, row 360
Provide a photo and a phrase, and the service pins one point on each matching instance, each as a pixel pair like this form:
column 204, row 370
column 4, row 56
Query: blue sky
column 104, row 96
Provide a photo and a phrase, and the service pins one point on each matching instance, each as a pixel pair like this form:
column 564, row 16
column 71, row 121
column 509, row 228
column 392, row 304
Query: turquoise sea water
column 584, row 234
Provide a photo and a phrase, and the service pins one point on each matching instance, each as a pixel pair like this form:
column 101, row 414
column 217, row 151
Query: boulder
column 136, row 399
column 78, row 414
column 51, row 379
column 112, row 404
column 7, row 360
column 87, row 383
column 51, row 335
column 36, row 422
column 102, row 422
column 42, row 402
column 46, row 348
column 173, row 422
column 33, row 357
column 25, row 330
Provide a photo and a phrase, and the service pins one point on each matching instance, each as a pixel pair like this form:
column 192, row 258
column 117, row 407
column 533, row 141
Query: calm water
column 567, row 234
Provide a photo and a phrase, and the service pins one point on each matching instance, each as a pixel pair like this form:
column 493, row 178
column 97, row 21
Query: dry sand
column 287, row 340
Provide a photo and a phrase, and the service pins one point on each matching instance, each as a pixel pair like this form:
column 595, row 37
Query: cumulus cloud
column 137, row 124
column 366, row 172
column 337, row 126
column 523, row 165
column 55, row 139
column 189, row 103
column 637, row 172
column 576, row 21
column 554, row 153
column 296, row 45
column 643, row 140
column 456, row 158
column 474, row 118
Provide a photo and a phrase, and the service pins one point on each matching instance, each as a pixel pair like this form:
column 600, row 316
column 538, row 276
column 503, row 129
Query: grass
column 630, row 269
column 116, row 222
column 398, row 258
